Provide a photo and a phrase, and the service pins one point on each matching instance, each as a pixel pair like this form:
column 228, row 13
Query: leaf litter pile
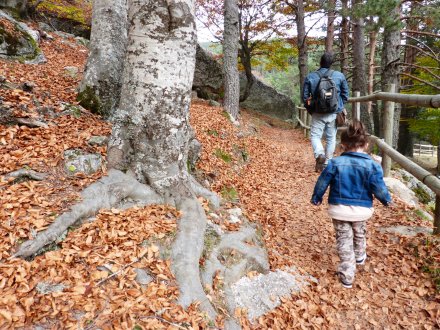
column 88, row 280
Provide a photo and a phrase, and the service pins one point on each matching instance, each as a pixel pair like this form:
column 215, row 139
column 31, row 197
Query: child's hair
column 355, row 136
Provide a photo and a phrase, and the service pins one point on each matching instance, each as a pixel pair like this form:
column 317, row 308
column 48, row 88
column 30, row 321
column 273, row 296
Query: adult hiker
column 354, row 178
column 324, row 94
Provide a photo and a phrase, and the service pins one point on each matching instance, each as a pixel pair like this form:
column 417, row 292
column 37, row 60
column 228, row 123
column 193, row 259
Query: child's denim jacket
column 353, row 178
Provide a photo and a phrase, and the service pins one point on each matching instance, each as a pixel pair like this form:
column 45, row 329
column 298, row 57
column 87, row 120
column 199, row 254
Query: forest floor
column 264, row 166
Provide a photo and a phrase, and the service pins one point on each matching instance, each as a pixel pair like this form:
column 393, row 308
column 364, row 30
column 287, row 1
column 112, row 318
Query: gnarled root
column 103, row 194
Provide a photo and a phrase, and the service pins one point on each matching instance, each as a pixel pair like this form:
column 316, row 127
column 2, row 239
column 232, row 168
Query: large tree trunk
column 231, row 36
column 301, row 44
column 151, row 129
column 374, row 111
column 344, row 36
column 390, row 63
column 100, row 88
column 331, row 17
column 359, row 83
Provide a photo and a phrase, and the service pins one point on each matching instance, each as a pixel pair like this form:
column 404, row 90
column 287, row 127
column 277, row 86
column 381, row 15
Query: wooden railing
column 425, row 149
column 390, row 98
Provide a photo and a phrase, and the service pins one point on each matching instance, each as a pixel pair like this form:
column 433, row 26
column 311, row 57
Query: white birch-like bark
column 231, row 37
column 99, row 90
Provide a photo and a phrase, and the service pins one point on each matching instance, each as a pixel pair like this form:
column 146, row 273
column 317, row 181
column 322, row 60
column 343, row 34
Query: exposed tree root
column 122, row 191
column 32, row 123
column 199, row 190
column 104, row 194
column 24, row 173
column 186, row 252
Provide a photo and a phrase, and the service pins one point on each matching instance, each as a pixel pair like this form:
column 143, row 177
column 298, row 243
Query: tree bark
column 331, row 16
column 151, row 127
column 301, row 44
column 231, row 36
column 390, row 62
column 370, row 87
column 359, row 82
column 245, row 57
column 345, row 30
column 99, row 90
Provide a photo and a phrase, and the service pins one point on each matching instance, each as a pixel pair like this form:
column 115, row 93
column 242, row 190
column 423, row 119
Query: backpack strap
column 328, row 73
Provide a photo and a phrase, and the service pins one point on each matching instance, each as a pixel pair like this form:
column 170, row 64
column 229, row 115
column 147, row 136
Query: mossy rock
column 15, row 42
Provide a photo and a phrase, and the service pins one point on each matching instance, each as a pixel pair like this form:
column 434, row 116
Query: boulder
column 17, row 40
column 422, row 192
column 401, row 191
column 208, row 83
column 268, row 101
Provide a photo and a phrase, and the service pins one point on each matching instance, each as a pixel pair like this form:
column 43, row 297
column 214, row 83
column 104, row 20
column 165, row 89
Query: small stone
column 76, row 161
column 71, row 71
column 28, row 86
column 214, row 215
column 47, row 288
column 234, row 219
column 213, row 103
column 236, row 211
column 142, row 276
column 82, row 41
column 98, row 140
column 45, row 27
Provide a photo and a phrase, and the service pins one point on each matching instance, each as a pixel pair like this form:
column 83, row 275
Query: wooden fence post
column 437, row 216
column 356, row 110
column 388, row 119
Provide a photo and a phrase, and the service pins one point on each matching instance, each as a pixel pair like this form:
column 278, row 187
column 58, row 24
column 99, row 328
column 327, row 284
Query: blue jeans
column 323, row 123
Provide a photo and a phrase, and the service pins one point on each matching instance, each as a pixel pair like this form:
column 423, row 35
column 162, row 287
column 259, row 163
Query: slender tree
column 230, row 61
column 331, row 17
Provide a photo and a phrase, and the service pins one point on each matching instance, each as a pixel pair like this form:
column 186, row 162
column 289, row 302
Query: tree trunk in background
column 390, row 63
column 99, row 90
column 370, row 89
column 331, row 16
column 344, row 36
column 359, row 82
column 151, row 127
column 302, row 45
column 245, row 57
column 407, row 138
column 231, row 37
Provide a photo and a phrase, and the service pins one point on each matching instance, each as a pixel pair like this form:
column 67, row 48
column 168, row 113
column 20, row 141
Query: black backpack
column 325, row 97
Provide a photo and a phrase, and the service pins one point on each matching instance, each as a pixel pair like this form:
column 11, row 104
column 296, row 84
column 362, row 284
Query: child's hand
column 316, row 203
column 391, row 205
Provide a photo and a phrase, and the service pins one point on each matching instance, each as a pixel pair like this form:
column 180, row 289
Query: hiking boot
column 320, row 163
column 362, row 260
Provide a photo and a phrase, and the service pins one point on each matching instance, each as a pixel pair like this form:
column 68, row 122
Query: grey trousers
column 351, row 244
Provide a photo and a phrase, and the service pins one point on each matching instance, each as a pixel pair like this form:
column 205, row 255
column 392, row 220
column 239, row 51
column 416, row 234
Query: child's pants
column 351, row 244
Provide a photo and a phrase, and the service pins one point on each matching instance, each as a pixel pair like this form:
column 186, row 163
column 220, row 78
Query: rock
column 234, row 219
column 76, row 161
column 17, row 40
column 194, row 95
column 208, row 82
column 64, row 35
column 406, row 230
column 403, row 192
column 82, row 41
column 262, row 293
column 236, row 211
column 422, row 192
column 142, row 276
column 71, row 71
column 28, row 86
column 267, row 100
column 213, row 103
column 98, row 140
column 39, row 59
column 48, row 288
column 45, row 27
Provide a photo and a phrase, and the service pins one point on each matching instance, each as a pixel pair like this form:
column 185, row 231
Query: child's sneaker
column 362, row 260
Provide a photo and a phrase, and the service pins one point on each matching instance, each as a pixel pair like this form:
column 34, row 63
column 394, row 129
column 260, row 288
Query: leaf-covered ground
column 264, row 166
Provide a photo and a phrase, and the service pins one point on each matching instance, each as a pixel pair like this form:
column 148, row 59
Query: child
column 353, row 178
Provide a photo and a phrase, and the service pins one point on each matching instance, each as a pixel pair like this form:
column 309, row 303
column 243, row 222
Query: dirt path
column 390, row 292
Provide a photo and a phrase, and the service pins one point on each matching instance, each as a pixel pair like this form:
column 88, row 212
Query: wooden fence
column 425, row 149
column 390, row 98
